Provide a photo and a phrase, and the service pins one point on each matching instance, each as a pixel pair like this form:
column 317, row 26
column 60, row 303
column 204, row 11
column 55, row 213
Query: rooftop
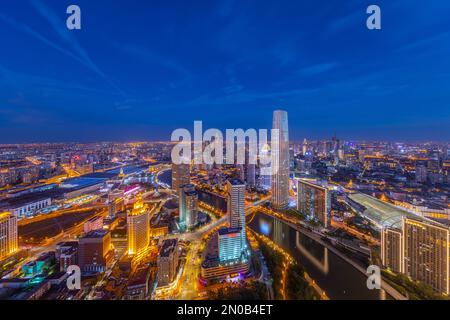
column 4, row 214
column 140, row 277
column 380, row 212
column 236, row 182
column 96, row 234
column 224, row 231
column 24, row 199
column 167, row 247
column 81, row 182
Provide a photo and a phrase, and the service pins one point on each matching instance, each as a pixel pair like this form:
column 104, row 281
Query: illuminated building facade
column 180, row 176
column 426, row 253
column 419, row 250
column 8, row 234
column 188, row 207
column 28, row 205
column 213, row 269
column 167, row 262
column 232, row 241
column 230, row 250
column 138, row 222
column 313, row 200
column 280, row 161
column 236, row 208
column 392, row 249
column 159, row 226
column 94, row 223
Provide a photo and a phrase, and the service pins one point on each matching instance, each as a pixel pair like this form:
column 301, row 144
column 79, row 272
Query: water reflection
column 336, row 276
column 323, row 265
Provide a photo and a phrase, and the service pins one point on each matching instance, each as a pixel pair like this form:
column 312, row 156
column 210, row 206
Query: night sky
column 139, row 69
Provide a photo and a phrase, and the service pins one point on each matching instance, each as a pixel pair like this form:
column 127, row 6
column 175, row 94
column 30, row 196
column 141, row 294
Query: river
column 338, row 278
column 166, row 177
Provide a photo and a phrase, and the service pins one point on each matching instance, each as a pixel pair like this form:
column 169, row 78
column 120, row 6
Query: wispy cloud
column 240, row 97
column 73, row 50
column 25, row 29
column 317, row 69
column 27, row 82
column 67, row 36
column 426, row 42
column 345, row 22
column 149, row 56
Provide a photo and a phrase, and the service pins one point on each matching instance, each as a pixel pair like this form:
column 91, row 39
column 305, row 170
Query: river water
column 338, row 278
column 166, row 177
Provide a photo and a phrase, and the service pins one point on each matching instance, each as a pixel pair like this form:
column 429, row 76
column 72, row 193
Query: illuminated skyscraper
column 138, row 222
column 280, row 161
column 8, row 234
column 236, row 210
column 188, row 206
column 313, row 200
column 180, row 176
column 236, row 204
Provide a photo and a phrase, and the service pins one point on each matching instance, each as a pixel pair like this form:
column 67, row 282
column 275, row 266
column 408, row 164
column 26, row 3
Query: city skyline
column 207, row 230
column 224, row 150
column 384, row 84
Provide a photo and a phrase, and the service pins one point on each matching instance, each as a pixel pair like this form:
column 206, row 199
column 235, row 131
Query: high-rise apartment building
column 426, row 253
column 180, row 175
column 236, row 207
column 419, row 250
column 188, row 206
column 280, row 161
column 392, row 249
column 8, row 234
column 313, row 200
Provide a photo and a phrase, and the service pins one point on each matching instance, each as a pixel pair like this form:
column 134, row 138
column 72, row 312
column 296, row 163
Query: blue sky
column 139, row 69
